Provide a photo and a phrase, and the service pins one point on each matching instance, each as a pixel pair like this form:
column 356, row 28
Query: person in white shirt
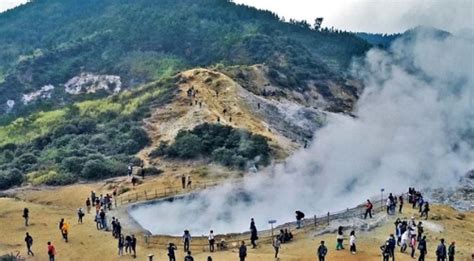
column 276, row 245
column 211, row 241
column 352, row 242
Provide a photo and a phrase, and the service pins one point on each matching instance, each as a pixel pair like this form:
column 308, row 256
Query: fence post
column 146, row 197
column 315, row 220
column 328, row 218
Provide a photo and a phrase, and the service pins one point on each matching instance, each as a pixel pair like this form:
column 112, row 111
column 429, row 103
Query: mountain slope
column 143, row 40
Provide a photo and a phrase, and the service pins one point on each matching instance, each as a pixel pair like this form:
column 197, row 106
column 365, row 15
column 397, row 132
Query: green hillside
column 50, row 41
column 90, row 139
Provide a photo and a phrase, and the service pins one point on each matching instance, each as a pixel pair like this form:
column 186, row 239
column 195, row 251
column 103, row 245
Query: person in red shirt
column 51, row 251
column 368, row 209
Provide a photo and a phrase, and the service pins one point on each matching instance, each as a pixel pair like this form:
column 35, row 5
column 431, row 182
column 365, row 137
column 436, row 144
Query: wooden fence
column 265, row 236
column 133, row 197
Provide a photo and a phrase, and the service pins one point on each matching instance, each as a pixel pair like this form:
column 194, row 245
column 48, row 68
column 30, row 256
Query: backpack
column 421, row 246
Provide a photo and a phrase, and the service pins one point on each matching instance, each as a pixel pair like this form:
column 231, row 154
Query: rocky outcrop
column 460, row 197
column 91, row 83
column 43, row 93
column 10, row 105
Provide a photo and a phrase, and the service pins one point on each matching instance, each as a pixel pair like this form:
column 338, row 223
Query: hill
column 96, row 85
column 76, row 50
column 385, row 40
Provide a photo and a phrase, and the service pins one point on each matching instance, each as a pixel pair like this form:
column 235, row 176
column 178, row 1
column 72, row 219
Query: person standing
column 128, row 244
column 183, row 181
column 171, row 254
column 420, row 230
column 61, row 223
column 130, row 169
column 118, row 227
column 276, row 246
column 190, row 182
column 339, row 239
column 211, row 241
column 80, row 215
column 93, row 197
column 242, row 251
column 451, row 251
column 400, row 200
column 103, row 220
column 65, row 231
column 441, row 252
column 368, row 209
column 389, row 206
column 385, row 251
column 404, row 241
column 426, row 209
column 423, row 249
column 352, row 242
column 322, row 251
column 51, row 251
column 186, row 240
column 413, row 245
column 26, row 215
column 133, row 245
column 88, row 205
column 253, row 233
column 121, row 244
column 98, row 223
column 391, row 246
column 29, row 243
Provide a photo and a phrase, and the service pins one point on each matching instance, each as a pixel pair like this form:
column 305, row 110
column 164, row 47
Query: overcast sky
column 385, row 16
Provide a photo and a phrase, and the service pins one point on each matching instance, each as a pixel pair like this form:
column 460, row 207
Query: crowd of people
column 409, row 233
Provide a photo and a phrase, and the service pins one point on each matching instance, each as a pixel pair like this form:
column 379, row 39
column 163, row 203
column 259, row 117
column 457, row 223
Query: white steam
column 414, row 127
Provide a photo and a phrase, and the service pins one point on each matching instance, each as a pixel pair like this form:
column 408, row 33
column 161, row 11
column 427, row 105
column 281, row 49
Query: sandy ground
column 48, row 205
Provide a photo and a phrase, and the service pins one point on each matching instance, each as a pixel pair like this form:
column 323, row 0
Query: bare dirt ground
column 48, row 205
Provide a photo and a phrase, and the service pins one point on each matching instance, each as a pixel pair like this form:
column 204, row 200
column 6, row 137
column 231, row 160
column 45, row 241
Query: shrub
column 160, row 151
column 223, row 156
column 140, row 136
column 51, row 178
column 95, row 169
column 152, row 171
column 27, row 158
column 136, row 161
column 98, row 139
column 8, row 156
column 224, row 144
column 10, row 178
column 187, row 146
column 86, row 126
column 130, row 147
column 73, row 164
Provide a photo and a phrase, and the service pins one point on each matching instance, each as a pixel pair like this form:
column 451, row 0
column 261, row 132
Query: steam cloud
column 414, row 127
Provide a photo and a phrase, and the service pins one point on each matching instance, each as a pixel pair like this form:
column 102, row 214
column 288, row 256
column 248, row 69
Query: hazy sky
column 365, row 15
